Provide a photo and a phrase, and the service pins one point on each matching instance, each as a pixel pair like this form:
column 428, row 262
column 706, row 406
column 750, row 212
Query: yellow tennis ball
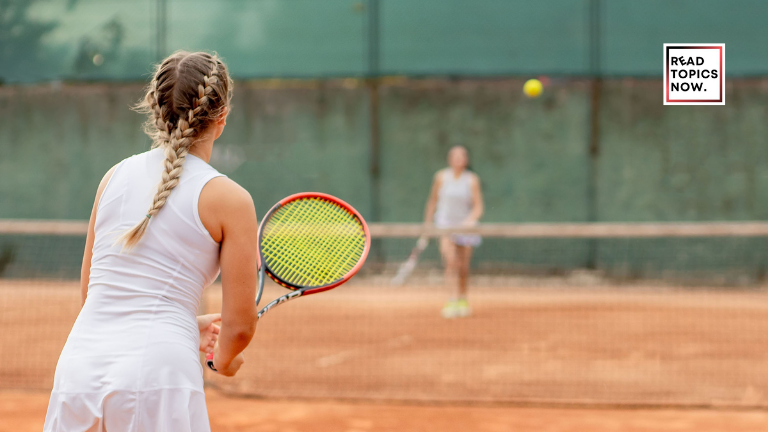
column 533, row 88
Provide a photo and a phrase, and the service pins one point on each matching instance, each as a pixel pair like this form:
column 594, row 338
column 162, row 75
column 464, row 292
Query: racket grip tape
column 209, row 361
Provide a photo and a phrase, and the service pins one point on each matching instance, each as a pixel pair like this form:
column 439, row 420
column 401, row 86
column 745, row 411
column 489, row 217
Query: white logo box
column 694, row 74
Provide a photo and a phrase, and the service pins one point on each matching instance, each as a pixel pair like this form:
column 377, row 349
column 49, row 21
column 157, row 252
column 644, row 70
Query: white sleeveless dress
column 454, row 204
column 131, row 362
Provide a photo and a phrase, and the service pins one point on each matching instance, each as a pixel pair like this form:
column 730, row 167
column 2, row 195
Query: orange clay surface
column 404, row 368
column 25, row 412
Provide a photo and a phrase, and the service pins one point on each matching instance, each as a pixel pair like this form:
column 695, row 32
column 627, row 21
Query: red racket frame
column 299, row 291
column 335, row 200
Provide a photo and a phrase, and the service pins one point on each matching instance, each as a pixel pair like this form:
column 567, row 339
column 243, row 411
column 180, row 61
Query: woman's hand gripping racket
column 309, row 243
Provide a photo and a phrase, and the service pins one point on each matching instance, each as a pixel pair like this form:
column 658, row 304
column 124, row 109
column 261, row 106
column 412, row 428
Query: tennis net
column 664, row 314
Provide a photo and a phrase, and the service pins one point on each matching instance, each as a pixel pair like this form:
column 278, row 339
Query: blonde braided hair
column 187, row 94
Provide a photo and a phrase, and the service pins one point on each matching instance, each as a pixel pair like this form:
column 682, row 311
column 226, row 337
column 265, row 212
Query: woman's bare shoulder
column 223, row 191
column 222, row 201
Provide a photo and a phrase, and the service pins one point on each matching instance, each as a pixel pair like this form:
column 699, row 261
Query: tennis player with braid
column 163, row 224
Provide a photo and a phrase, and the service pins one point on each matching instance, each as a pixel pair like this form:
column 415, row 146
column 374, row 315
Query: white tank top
column 133, row 351
column 454, row 199
column 177, row 257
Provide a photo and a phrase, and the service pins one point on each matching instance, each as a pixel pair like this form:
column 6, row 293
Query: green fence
column 545, row 159
column 651, row 163
column 42, row 40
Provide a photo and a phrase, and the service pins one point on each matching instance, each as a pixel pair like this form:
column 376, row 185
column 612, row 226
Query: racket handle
column 209, row 361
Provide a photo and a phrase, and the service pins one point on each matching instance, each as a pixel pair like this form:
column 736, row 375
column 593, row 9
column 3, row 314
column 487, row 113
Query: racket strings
column 317, row 231
column 312, row 242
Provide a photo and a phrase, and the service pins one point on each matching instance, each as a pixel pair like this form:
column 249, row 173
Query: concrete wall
column 654, row 163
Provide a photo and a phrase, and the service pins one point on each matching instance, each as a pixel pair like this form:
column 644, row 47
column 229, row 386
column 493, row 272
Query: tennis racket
column 407, row 267
column 309, row 243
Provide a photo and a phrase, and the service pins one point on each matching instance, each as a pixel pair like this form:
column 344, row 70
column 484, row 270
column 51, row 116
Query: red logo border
column 719, row 48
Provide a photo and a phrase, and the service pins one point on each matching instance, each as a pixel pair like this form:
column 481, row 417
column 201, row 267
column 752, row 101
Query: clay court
column 25, row 412
column 369, row 357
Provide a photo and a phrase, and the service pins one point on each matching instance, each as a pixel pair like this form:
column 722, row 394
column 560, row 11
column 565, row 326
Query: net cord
column 506, row 230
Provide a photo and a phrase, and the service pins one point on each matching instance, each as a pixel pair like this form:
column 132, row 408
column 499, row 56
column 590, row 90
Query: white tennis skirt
column 129, row 369
column 160, row 410
column 471, row 240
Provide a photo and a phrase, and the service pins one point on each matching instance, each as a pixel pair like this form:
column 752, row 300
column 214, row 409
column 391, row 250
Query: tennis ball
column 533, row 88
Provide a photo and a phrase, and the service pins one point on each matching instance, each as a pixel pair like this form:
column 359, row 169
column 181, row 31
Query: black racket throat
column 261, row 284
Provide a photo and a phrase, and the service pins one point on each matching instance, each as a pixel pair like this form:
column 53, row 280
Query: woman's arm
column 478, row 207
column 85, row 269
column 228, row 213
column 429, row 210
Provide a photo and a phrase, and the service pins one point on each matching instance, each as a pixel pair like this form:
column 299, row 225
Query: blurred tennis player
column 456, row 200
column 163, row 223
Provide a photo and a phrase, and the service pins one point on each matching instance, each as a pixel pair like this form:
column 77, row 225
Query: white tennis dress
column 131, row 362
column 454, row 205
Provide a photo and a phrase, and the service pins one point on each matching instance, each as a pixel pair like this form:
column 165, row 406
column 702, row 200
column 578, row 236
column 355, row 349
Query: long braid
column 162, row 134
column 176, row 140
